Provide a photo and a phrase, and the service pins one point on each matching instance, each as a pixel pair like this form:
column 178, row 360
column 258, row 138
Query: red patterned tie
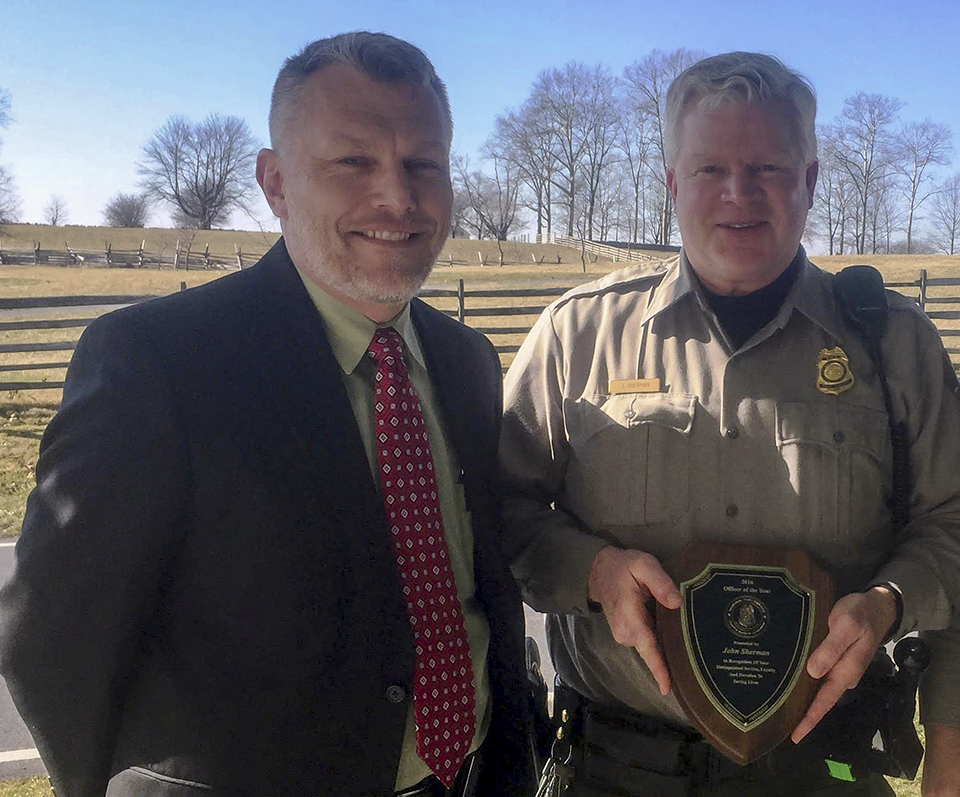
column 443, row 697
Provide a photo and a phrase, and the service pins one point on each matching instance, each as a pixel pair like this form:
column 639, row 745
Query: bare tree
column 886, row 216
column 205, row 171
column 55, row 211
column 831, row 212
column 635, row 142
column 9, row 196
column 460, row 212
column 603, row 109
column 919, row 146
column 646, row 82
column 526, row 138
column 492, row 197
column 126, row 210
column 865, row 148
column 5, row 105
column 561, row 96
column 945, row 219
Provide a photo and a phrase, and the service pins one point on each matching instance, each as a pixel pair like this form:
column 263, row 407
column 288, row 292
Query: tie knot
column 385, row 344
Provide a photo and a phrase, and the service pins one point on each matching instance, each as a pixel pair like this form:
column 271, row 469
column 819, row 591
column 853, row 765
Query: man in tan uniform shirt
column 730, row 438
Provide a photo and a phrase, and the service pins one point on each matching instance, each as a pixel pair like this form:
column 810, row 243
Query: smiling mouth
column 746, row 225
column 386, row 235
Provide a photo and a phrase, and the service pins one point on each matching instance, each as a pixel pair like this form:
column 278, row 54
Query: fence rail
column 615, row 253
column 481, row 308
column 177, row 256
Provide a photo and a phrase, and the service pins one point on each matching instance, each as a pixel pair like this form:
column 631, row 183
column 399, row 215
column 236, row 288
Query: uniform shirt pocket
column 630, row 458
column 837, row 460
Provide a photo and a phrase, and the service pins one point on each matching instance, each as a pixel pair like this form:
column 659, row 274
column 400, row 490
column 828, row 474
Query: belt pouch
column 632, row 742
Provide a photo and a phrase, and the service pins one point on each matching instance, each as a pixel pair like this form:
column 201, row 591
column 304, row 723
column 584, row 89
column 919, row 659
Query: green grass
column 30, row 787
column 21, row 427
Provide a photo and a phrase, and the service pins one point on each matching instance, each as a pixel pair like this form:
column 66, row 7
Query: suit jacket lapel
column 310, row 416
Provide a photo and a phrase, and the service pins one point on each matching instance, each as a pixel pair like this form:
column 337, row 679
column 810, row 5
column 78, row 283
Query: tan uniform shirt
column 735, row 446
column 350, row 333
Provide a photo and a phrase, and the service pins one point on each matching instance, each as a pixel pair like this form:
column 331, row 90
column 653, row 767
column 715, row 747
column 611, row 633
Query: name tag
column 633, row 386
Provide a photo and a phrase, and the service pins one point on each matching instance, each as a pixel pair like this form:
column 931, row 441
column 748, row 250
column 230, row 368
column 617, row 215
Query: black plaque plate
column 747, row 631
column 737, row 648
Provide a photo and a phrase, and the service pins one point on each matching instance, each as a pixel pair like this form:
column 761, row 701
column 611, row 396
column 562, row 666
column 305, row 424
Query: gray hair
column 380, row 57
column 747, row 78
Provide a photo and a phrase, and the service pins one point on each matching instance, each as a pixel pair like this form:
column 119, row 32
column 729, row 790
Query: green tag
column 839, row 770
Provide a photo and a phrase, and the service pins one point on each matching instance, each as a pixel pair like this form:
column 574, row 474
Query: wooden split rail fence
column 618, row 254
column 31, row 329
column 179, row 256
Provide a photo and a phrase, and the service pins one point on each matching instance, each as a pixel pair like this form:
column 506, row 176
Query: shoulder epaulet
column 641, row 275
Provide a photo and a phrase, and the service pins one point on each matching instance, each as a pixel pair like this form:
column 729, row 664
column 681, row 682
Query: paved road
column 15, row 741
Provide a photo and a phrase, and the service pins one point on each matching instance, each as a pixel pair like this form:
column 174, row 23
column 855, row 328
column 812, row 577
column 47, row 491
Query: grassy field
column 24, row 414
column 223, row 244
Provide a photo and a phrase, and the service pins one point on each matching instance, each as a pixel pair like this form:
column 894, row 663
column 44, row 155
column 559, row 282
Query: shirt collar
column 811, row 293
column 350, row 332
column 678, row 282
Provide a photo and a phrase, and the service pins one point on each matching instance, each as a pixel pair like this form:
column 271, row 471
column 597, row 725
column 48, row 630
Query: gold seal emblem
column 833, row 372
column 746, row 617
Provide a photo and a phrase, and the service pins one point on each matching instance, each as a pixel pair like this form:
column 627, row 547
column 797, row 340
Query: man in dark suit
column 209, row 595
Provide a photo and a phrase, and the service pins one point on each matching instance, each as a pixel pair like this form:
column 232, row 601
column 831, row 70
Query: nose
column 740, row 186
column 392, row 189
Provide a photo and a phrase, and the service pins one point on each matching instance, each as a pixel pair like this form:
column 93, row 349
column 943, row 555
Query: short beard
column 394, row 286
column 356, row 284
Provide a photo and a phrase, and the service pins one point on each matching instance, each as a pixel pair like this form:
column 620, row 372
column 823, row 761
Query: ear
column 813, row 170
column 672, row 183
column 270, row 178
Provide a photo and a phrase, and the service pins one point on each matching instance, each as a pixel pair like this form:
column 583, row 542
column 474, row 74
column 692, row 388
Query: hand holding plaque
column 738, row 646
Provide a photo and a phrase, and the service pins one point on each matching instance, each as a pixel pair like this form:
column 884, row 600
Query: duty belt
column 605, row 750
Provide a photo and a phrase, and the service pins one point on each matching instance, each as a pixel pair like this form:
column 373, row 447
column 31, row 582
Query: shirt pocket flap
column 842, row 428
column 590, row 415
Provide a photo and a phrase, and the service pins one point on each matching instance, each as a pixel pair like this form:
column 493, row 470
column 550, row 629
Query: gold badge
column 833, row 372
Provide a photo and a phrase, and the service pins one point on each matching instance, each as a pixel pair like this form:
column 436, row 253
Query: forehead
column 735, row 126
column 341, row 100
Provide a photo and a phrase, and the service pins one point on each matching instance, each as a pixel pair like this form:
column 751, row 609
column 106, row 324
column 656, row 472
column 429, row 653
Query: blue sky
column 91, row 81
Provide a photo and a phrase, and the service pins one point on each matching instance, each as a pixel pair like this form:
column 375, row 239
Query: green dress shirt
column 350, row 333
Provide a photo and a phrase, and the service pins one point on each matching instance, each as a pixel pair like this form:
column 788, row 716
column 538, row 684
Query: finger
column 844, row 675
column 844, row 633
column 827, row 697
column 649, row 649
column 649, row 573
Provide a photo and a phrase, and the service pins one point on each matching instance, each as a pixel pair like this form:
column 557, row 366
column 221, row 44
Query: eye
column 423, row 164
column 769, row 167
column 708, row 170
column 354, row 160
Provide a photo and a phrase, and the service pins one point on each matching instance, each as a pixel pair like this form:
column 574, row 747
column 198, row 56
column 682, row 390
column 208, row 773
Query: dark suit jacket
column 205, row 595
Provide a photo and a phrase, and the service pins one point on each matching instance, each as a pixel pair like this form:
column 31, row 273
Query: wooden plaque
column 737, row 648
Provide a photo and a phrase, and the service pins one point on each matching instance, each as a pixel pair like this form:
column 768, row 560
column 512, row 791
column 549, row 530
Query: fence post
column 108, row 246
column 461, row 311
column 36, row 253
column 143, row 243
column 206, row 255
column 176, row 256
column 922, row 299
column 239, row 257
